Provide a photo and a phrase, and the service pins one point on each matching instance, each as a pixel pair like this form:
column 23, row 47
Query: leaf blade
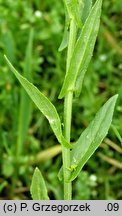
column 73, row 9
column 38, row 188
column 83, row 52
column 85, row 10
column 64, row 42
column 25, row 102
column 92, row 136
column 43, row 104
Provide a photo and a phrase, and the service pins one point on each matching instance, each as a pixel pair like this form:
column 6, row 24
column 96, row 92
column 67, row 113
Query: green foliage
column 117, row 133
column 73, row 10
column 43, row 104
column 102, row 80
column 38, row 188
column 85, row 186
column 25, row 104
column 64, row 42
column 82, row 52
column 92, row 136
column 85, row 10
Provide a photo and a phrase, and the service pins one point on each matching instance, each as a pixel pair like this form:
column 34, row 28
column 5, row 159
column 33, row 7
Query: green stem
column 71, row 43
column 66, row 152
column 68, row 116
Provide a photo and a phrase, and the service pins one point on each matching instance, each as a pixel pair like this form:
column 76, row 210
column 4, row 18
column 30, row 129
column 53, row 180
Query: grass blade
column 38, row 188
column 25, row 102
column 43, row 104
column 82, row 52
column 92, row 136
column 10, row 46
column 116, row 133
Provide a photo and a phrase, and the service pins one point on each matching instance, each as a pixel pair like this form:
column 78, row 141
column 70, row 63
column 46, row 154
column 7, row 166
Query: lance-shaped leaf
column 38, row 188
column 85, row 9
column 92, row 136
column 64, row 42
column 82, row 52
column 43, row 104
column 60, row 174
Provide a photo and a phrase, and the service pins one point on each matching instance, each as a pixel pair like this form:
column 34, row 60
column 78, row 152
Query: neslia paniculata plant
column 80, row 33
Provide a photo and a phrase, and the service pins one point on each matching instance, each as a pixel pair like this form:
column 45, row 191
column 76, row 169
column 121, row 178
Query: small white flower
column 103, row 57
column 93, row 178
column 38, row 13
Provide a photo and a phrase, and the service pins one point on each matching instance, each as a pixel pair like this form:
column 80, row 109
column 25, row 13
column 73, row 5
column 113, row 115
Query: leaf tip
column 60, row 95
column 9, row 63
column 114, row 98
column 72, row 177
column 38, row 188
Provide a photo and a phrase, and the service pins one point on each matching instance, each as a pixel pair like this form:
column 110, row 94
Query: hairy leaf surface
column 92, row 136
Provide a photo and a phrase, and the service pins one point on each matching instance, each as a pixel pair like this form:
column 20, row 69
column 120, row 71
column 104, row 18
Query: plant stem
column 68, row 116
column 66, row 152
column 71, row 43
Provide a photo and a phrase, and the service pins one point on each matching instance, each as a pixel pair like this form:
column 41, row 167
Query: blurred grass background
column 30, row 34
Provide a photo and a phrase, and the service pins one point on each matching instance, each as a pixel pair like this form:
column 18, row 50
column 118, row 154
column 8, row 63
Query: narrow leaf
column 82, row 52
column 85, row 10
column 7, row 39
column 64, row 42
column 73, row 8
column 92, row 136
column 43, row 104
column 25, row 102
column 116, row 133
column 60, row 174
column 38, row 188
